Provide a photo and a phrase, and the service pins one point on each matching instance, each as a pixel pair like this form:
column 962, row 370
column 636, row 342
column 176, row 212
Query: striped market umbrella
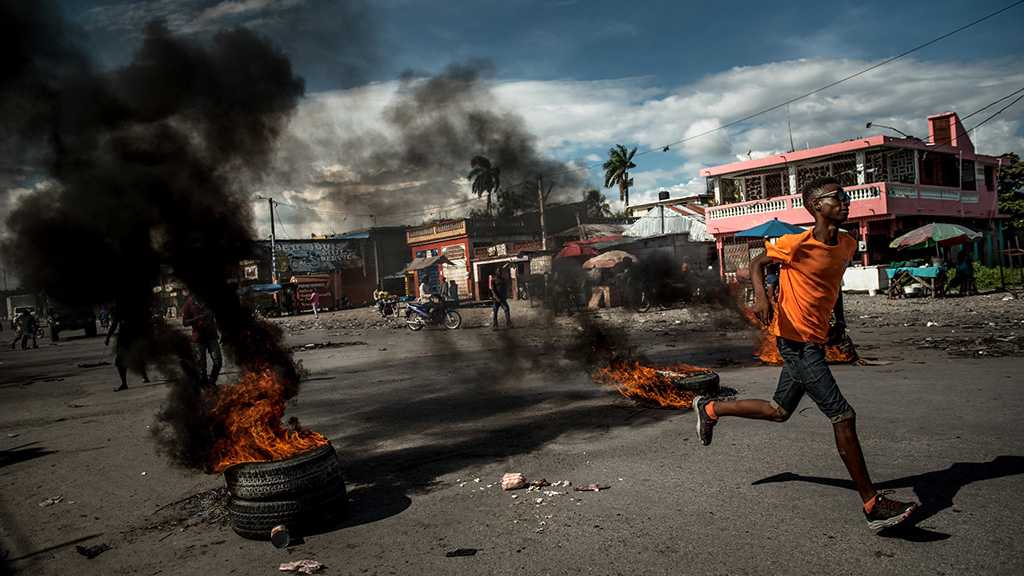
column 935, row 234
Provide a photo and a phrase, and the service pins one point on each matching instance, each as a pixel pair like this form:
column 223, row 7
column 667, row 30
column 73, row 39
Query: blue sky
column 588, row 74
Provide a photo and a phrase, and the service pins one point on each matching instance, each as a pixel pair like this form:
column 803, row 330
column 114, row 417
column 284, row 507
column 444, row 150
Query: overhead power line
column 666, row 147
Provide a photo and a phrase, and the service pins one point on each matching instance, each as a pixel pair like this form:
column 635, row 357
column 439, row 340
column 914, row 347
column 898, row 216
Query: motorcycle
column 387, row 307
column 419, row 315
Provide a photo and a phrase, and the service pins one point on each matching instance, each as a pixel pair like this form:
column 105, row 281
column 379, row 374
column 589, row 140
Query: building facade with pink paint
column 895, row 185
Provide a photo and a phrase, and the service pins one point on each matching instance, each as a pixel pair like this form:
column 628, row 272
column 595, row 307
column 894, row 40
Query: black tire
column 452, row 320
column 705, row 384
column 287, row 479
column 254, row 519
column 415, row 323
column 54, row 335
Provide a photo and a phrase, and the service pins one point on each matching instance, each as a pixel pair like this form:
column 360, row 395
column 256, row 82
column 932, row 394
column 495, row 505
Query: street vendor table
column 931, row 278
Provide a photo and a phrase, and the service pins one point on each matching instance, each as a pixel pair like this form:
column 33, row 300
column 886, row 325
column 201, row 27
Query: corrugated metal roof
column 675, row 223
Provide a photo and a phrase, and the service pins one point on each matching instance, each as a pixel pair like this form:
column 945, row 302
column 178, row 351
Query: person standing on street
column 812, row 265
column 498, row 285
column 314, row 301
column 127, row 340
column 205, row 338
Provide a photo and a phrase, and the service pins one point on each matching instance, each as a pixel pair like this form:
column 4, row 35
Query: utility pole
column 273, row 244
column 376, row 253
column 540, row 201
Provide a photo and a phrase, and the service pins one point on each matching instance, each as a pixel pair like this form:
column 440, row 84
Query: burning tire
column 701, row 383
column 302, row 492
column 286, row 479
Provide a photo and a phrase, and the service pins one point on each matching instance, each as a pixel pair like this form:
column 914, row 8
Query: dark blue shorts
column 805, row 371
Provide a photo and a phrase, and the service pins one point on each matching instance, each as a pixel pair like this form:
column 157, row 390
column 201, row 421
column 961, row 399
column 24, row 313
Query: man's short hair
column 813, row 187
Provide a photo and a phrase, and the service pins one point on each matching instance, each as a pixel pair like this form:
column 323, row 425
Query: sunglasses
column 840, row 195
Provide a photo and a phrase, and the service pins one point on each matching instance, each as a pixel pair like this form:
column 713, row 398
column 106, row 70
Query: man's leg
column 200, row 350
column 508, row 318
column 848, row 445
column 122, row 370
column 494, row 312
column 218, row 361
column 879, row 511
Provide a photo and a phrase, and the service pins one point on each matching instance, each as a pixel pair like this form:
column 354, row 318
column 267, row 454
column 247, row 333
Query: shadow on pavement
column 934, row 490
column 367, row 504
column 22, row 453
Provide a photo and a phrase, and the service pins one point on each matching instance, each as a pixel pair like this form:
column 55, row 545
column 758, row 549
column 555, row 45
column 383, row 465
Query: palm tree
column 616, row 170
column 596, row 204
column 485, row 177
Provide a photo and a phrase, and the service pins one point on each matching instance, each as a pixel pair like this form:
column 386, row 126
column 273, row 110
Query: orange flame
column 638, row 382
column 250, row 413
column 766, row 350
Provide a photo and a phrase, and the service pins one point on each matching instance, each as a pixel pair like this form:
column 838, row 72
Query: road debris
column 301, row 566
column 591, row 488
column 513, row 481
column 461, row 552
column 51, row 501
column 93, row 364
column 91, row 552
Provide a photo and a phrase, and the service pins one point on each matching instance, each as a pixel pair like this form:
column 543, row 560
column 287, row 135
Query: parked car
column 62, row 318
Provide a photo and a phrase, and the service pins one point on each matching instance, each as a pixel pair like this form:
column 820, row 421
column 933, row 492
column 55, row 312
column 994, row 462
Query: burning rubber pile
column 767, row 351
column 672, row 386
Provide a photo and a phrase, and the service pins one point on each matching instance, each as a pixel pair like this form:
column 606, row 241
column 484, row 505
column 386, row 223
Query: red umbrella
column 574, row 250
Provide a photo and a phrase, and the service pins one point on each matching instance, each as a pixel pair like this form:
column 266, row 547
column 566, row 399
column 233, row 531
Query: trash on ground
column 540, row 483
column 51, row 501
column 301, row 566
column 461, row 552
column 93, row 364
column 513, row 481
column 591, row 488
column 91, row 552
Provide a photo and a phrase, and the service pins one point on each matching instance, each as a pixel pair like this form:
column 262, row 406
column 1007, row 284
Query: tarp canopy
column 935, row 234
column 609, row 259
column 263, row 287
column 770, row 229
column 424, row 263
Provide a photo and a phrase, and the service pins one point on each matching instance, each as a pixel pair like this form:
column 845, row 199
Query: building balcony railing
column 866, row 201
column 437, row 231
column 783, row 203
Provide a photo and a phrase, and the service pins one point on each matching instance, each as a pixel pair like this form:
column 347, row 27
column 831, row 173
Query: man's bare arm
column 762, row 305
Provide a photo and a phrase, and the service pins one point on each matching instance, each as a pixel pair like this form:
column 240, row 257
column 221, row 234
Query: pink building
column 895, row 185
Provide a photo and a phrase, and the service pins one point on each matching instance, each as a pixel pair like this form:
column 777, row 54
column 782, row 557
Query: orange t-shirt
column 809, row 283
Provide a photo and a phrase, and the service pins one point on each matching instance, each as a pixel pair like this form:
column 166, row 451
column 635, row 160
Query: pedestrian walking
column 25, row 325
column 811, row 272
column 126, row 348
column 314, row 301
column 205, row 339
column 498, row 285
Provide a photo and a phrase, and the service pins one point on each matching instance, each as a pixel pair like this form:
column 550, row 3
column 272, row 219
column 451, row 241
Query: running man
column 812, row 266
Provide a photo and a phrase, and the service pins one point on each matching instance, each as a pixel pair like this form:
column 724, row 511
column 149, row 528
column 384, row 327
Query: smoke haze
column 150, row 165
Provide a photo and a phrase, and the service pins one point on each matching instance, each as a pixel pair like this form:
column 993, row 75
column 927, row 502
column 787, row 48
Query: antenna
column 789, row 124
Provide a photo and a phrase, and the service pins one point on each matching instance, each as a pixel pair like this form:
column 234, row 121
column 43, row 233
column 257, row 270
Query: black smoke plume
column 150, row 164
column 434, row 126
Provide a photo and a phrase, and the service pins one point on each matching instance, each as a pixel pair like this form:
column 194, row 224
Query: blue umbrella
column 770, row 229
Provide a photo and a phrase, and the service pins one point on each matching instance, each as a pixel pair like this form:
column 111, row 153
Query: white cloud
column 577, row 119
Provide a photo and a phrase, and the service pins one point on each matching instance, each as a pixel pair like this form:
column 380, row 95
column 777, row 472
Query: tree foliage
column 485, row 178
column 595, row 204
column 1011, row 190
column 616, row 170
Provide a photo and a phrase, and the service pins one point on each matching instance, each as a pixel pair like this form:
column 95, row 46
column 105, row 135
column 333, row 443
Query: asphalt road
column 426, row 423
